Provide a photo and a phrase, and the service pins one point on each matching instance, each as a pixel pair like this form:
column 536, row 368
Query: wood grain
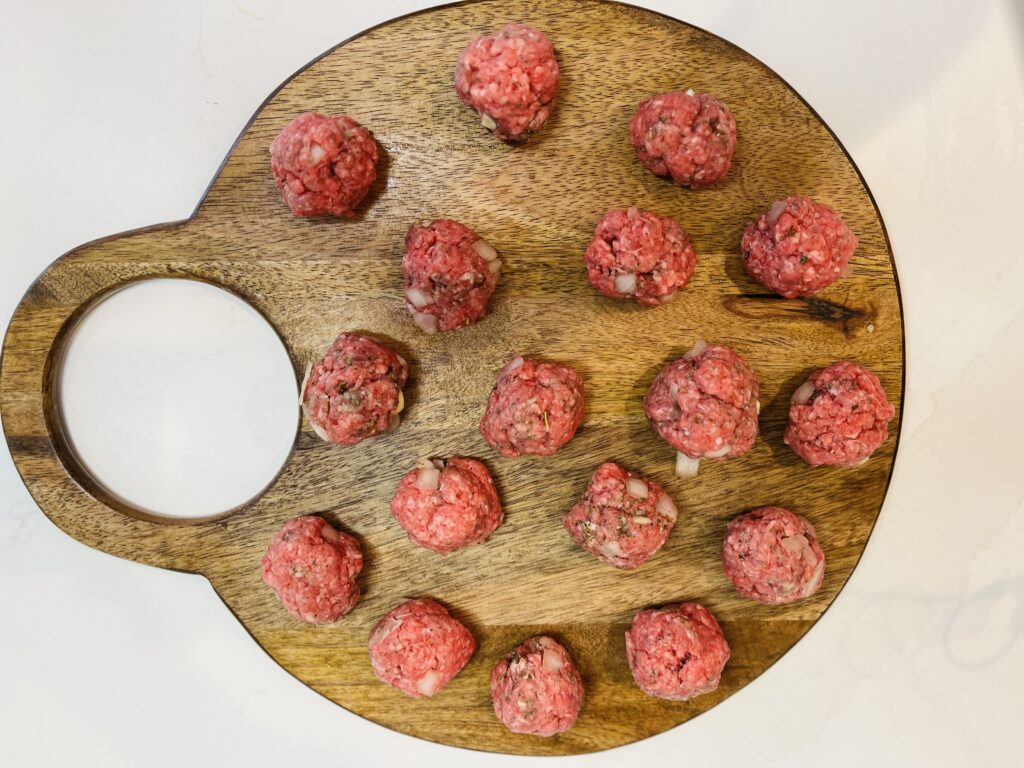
column 538, row 205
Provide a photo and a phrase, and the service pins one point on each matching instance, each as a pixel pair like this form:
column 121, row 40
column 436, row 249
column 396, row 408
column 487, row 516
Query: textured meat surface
column 450, row 273
column 313, row 567
column 419, row 647
column 840, row 416
column 690, row 137
column 536, row 688
column 355, row 391
column 444, row 506
column 323, row 165
column 534, row 408
column 641, row 255
column 510, row 78
column 676, row 652
column 705, row 404
column 797, row 247
column 773, row 556
column 623, row 519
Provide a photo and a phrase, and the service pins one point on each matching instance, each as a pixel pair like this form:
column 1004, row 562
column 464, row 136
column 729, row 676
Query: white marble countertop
column 117, row 115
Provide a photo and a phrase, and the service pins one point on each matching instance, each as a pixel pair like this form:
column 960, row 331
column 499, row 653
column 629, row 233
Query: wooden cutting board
column 537, row 204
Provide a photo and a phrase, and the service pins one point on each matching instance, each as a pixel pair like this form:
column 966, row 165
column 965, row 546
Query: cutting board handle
column 44, row 456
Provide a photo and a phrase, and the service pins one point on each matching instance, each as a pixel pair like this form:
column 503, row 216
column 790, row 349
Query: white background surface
column 117, row 115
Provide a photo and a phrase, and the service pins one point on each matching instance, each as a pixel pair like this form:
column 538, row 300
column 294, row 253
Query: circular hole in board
column 178, row 398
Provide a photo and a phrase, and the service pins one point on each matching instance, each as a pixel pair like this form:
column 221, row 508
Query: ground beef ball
column 676, row 652
column 323, row 165
column 773, row 556
column 510, row 78
column 419, row 647
column 536, row 689
column 798, row 247
column 641, row 255
column 313, row 567
column 355, row 391
column 534, row 408
column 450, row 273
column 838, row 416
column 688, row 136
column 623, row 519
column 446, row 506
column 705, row 405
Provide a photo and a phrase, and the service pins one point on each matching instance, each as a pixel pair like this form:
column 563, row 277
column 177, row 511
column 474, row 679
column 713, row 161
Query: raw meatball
column 641, row 255
column 323, row 165
column 444, row 507
column 623, row 519
column 536, row 689
column 798, row 247
column 450, row 273
column 313, row 567
column 676, row 652
column 838, row 416
column 773, row 556
column 355, row 391
column 688, row 136
column 534, row 408
column 510, row 78
column 705, row 405
column 419, row 647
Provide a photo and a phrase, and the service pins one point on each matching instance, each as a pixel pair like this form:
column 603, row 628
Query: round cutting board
column 537, row 204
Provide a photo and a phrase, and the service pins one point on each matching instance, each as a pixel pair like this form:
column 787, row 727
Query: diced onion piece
column 689, row 92
column 667, row 508
column 795, row 543
column 698, row 348
column 685, row 466
column 611, row 549
column 813, row 583
column 425, row 463
column 551, row 660
column 494, row 266
column 776, row 210
column 381, row 635
column 305, row 381
column 329, row 533
column 803, row 393
column 316, row 152
column 718, row 453
column 484, row 250
column 427, row 479
column 418, row 298
column 426, row 323
column 515, row 363
column 637, row 488
column 757, row 407
column 487, row 121
column 401, row 402
column 320, row 431
column 625, row 283
column 642, row 520
column 429, row 683
column 438, row 463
